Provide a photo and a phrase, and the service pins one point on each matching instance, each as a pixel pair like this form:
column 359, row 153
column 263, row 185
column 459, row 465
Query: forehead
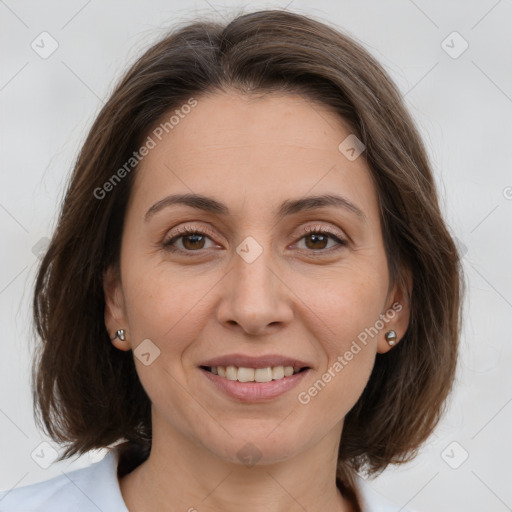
column 249, row 121
column 258, row 148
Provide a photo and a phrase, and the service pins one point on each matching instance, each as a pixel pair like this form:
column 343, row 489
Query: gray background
column 463, row 105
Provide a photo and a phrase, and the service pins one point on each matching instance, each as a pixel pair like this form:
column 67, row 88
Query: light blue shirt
column 96, row 488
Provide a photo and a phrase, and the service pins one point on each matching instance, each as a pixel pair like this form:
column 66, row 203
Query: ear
column 115, row 316
column 397, row 311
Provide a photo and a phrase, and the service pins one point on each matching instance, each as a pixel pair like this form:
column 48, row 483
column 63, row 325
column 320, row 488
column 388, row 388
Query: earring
column 390, row 338
column 120, row 335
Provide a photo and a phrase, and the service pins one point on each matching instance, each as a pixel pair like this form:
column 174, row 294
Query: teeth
column 263, row 374
column 246, row 374
column 254, row 374
column 278, row 372
column 231, row 372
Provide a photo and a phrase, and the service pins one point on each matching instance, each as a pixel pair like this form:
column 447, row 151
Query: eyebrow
column 288, row 207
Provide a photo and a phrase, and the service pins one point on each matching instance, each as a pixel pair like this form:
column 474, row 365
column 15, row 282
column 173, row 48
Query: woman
column 251, row 295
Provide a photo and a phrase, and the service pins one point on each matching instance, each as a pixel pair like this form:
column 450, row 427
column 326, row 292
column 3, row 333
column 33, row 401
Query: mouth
column 244, row 374
column 254, row 385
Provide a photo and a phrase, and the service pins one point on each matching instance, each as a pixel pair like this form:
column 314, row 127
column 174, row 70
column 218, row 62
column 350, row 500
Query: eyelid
column 341, row 238
column 326, row 229
column 188, row 228
column 193, row 229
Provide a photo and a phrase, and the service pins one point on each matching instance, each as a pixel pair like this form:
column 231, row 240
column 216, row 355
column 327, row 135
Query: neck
column 182, row 475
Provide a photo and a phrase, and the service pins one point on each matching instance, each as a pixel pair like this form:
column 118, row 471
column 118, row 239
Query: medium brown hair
column 87, row 392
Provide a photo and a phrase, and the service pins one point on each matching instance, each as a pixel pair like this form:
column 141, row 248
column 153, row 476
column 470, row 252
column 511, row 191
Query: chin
column 249, row 447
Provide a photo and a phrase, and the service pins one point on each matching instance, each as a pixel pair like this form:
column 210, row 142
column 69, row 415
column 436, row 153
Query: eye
column 317, row 237
column 192, row 240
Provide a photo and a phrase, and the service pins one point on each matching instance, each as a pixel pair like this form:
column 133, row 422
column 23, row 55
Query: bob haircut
column 86, row 392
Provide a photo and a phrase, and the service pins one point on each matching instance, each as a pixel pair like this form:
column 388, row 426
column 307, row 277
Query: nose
column 255, row 296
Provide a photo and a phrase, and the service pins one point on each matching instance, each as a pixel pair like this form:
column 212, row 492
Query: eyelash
column 188, row 230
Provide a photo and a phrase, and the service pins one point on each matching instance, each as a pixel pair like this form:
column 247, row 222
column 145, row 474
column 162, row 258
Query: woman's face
column 256, row 278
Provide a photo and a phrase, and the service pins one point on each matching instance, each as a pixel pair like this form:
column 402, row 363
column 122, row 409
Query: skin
column 299, row 298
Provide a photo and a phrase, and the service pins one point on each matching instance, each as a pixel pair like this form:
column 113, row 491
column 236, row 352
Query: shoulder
column 92, row 488
column 372, row 501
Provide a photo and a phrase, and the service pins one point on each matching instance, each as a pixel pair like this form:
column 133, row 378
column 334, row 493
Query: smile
column 254, row 385
column 242, row 374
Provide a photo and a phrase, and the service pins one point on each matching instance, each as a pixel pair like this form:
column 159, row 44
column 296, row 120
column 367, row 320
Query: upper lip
column 246, row 361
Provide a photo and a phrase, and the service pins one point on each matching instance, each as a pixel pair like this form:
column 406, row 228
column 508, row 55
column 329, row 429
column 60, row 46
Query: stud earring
column 120, row 334
column 390, row 338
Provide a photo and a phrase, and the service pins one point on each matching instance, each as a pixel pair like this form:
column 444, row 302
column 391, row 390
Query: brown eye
column 194, row 241
column 191, row 240
column 317, row 240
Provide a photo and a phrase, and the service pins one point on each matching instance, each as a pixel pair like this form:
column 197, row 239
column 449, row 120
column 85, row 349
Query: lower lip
column 254, row 391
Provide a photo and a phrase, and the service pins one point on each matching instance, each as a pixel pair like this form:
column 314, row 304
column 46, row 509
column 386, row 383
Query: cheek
column 331, row 395
column 344, row 315
column 165, row 307
column 163, row 300
column 344, row 304
column 349, row 343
